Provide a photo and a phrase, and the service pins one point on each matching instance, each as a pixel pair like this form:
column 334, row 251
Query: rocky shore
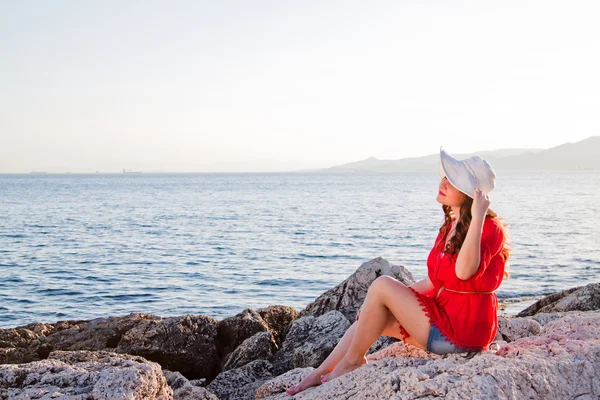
column 550, row 350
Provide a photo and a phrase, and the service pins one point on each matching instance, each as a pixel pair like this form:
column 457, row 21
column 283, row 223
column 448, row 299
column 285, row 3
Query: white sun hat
column 468, row 174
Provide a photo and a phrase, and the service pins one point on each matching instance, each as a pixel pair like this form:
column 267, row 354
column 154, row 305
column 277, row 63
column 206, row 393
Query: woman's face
column 449, row 195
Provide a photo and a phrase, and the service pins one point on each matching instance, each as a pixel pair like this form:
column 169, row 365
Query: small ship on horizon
column 128, row 171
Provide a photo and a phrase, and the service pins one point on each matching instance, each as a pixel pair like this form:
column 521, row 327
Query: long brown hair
column 462, row 227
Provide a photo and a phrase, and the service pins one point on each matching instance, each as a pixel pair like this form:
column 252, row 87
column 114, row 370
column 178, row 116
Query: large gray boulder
column 85, row 375
column 241, row 383
column 584, row 298
column 310, row 340
column 234, row 330
column 279, row 318
column 257, row 347
column 185, row 343
column 348, row 296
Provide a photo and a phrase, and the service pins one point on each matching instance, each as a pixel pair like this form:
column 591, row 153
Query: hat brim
column 454, row 171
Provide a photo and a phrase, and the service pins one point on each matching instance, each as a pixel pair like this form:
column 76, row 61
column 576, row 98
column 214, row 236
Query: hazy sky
column 284, row 85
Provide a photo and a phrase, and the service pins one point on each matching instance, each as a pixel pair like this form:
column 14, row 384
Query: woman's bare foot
column 343, row 367
column 313, row 379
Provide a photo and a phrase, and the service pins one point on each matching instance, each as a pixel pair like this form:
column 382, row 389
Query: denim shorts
column 438, row 345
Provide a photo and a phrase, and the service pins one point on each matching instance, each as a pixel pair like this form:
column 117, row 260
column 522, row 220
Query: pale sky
column 280, row 85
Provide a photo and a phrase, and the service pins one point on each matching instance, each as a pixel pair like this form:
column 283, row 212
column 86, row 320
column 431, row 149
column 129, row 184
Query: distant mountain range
column 582, row 155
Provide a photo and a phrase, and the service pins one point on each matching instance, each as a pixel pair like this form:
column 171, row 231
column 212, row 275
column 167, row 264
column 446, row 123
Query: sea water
column 76, row 246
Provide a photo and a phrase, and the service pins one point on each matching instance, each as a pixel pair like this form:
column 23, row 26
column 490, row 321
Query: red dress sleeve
column 492, row 238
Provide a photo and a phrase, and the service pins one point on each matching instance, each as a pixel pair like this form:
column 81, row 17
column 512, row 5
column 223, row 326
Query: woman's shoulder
column 492, row 223
column 492, row 229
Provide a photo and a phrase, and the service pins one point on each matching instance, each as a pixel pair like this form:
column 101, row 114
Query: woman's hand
column 481, row 202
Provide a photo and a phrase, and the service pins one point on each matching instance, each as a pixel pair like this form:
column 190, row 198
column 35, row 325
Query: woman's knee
column 382, row 283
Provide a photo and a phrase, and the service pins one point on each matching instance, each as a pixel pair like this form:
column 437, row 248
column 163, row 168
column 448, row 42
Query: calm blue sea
column 84, row 246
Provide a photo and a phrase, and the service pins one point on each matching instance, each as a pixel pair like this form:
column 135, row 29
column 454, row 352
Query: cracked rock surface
column 562, row 361
column 85, row 375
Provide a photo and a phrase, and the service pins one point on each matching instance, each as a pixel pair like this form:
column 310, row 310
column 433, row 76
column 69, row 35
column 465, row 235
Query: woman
column 454, row 309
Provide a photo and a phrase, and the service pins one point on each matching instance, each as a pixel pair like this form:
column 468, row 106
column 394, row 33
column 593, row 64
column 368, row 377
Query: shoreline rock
column 561, row 363
column 583, row 298
column 85, row 374
column 348, row 296
column 185, row 343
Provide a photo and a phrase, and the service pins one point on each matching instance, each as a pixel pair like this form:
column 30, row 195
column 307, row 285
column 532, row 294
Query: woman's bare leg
column 385, row 294
column 314, row 378
column 370, row 326
column 326, row 366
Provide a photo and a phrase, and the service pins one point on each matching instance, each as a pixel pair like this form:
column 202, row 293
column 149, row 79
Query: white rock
column 85, row 375
column 562, row 362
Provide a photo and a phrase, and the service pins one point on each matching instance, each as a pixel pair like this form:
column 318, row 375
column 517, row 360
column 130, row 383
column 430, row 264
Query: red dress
column 465, row 319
